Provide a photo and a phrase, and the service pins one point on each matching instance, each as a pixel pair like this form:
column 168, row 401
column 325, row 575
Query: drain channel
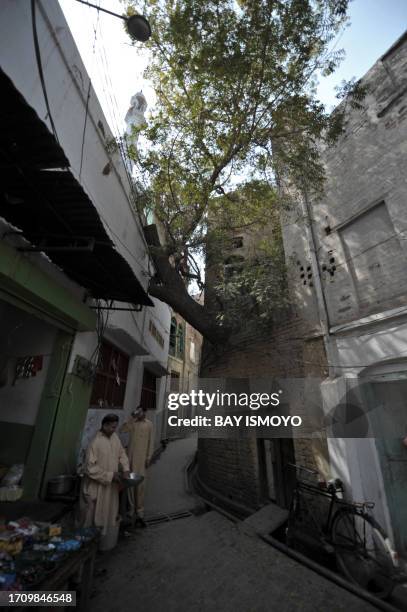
column 157, row 519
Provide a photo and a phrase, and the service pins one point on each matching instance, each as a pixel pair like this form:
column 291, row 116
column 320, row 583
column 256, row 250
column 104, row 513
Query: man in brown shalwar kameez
column 140, row 449
column 100, row 491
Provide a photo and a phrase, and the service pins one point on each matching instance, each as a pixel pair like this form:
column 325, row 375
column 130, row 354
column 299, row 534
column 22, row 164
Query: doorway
column 278, row 478
column 386, row 396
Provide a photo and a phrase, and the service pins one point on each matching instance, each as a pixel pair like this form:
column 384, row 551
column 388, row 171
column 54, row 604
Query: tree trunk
column 198, row 316
column 169, row 287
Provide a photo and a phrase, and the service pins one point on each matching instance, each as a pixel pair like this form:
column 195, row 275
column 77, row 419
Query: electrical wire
column 84, row 129
column 375, row 332
column 101, row 215
column 39, row 65
column 403, row 235
column 348, row 367
column 88, row 97
column 108, row 90
column 106, row 87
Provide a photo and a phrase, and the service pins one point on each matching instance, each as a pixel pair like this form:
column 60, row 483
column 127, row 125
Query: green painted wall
column 70, row 421
column 25, row 285
column 50, row 447
column 46, row 416
column 15, row 440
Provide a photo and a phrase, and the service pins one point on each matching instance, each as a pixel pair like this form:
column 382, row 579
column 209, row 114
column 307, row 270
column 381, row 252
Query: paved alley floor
column 205, row 563
column 166, row 479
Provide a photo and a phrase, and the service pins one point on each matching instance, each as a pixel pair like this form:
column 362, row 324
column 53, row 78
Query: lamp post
column 137, row 26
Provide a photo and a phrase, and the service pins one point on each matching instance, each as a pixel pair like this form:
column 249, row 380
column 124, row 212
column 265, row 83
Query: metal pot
column 60, row 485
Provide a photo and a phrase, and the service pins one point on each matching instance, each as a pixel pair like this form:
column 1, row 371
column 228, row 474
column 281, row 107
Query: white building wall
column 67, row 88
column 23, row 335
column 360, row 228
column 67, row 85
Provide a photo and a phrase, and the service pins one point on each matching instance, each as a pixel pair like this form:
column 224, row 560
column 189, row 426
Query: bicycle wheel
column 362, row 551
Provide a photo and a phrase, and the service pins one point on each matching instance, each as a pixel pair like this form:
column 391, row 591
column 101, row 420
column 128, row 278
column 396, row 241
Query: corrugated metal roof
column 40, row 196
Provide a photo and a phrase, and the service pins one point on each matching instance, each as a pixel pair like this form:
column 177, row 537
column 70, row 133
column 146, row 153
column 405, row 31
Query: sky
column 116, row 67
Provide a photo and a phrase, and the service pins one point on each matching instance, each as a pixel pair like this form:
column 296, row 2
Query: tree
column 236, row 106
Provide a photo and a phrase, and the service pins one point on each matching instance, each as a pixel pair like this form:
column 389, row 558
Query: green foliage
column 352, row 92
column 253, row 289
column 236, row 109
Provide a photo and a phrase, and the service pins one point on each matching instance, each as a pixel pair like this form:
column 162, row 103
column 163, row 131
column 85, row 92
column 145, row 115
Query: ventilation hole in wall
column 323, row 267
column 333, row 268
column 101, row 128
column 106, row 170
column 302, row 268
column 309, row 275
column 327, row 230
column 305, row 282
column 302, row 275
column 332, row 260
column 308, row 268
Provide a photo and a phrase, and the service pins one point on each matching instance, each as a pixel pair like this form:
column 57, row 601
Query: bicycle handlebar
column 301, row 467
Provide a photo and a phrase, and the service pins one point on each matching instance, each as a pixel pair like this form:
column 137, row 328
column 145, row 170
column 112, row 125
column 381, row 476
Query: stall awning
column 41, row 197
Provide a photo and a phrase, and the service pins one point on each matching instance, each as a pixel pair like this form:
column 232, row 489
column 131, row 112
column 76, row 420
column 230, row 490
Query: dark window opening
column 149, row 391
column 173, row 336
column 174, row 382
column 237, row 242
column 109, row 386
column 181, row 341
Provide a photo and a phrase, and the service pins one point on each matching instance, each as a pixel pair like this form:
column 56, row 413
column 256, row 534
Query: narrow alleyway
column 166, row 485
column 205, row 562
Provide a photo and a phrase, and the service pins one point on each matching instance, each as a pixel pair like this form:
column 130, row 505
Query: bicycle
column 362, row 550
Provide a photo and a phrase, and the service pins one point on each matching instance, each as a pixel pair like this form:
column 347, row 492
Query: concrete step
column 265, row 521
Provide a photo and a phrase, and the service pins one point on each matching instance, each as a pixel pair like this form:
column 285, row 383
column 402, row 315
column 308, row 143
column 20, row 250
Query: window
column 376, row 257
column 181, row 341
column 232, row 265
column 174, row 381
column 173, row 336
column 192, row 351
column 109, row 386
column 237, row 242
column 156, row 334
column 177, row 339
column 148, row 391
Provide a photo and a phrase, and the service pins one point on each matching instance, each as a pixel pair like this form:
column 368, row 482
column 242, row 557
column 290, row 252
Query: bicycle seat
column 335, row 484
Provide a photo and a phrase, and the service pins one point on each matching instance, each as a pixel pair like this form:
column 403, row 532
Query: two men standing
column 105, row 456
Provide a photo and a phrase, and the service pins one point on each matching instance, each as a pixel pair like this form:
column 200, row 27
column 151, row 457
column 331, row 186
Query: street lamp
column 137, row 26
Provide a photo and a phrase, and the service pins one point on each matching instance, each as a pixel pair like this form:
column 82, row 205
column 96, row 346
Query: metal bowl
column 133, row 479
column 61, row 485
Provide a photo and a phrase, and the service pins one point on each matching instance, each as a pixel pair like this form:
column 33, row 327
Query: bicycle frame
column 314, row 490
column 329, row 491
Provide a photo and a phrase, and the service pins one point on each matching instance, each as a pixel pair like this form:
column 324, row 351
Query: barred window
column 109, row 386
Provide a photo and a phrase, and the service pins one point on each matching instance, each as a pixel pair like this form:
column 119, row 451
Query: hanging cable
column 84, row 129
column 39, row 65
column 87, row 99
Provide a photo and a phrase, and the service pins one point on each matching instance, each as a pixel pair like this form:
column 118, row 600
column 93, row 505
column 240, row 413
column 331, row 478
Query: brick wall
column 232, row 466
column 360, row 223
